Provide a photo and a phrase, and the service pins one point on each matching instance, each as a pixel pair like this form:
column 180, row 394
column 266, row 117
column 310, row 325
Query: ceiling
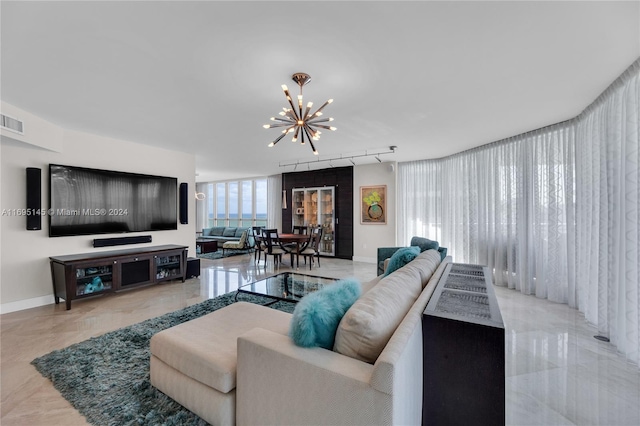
column 432, row 78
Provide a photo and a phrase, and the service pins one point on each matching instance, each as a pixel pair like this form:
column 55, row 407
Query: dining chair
column 313, row 248
column 272, row 245
column 258, row 244
column 300, row 229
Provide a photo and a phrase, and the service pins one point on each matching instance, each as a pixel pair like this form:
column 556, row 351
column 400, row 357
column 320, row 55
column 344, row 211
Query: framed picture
column 373, row 205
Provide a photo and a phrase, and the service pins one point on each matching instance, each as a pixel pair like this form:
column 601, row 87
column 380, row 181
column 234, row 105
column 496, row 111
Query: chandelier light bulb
column 330, row 118
column 333, row 128
column 284, row 87
column 315, row 152
column 271, row 145
column 266, row 126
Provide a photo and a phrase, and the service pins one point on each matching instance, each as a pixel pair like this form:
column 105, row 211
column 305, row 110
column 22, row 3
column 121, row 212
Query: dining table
column 293, row 244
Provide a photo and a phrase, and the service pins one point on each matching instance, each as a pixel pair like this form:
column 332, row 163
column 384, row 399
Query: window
column 236, row 203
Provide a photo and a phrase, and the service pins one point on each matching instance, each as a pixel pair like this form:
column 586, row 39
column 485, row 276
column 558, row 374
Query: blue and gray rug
column 106, row 378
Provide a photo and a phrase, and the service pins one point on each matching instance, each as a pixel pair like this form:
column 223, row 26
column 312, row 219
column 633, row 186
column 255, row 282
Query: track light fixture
column 392, row 150
column 299, row 123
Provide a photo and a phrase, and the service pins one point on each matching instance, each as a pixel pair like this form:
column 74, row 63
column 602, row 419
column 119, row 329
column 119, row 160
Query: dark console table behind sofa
column 82, row 275
column 464, row 360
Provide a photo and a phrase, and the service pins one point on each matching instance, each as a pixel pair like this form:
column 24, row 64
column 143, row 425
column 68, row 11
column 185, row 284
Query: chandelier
column 295, row 121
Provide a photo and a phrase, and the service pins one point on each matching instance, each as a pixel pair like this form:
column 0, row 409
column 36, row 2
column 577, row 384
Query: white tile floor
column 557, row 373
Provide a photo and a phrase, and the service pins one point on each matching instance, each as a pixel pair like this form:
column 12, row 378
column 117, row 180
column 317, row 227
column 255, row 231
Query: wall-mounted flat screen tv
column 91, row 201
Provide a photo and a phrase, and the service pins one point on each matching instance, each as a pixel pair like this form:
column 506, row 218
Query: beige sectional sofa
column 238, row 365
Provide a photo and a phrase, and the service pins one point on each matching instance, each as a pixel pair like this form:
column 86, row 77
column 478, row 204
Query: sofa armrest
column 385, row 253
column 281, row 383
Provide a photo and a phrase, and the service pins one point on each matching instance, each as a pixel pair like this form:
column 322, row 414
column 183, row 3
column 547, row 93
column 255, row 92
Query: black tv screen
column 90, row 201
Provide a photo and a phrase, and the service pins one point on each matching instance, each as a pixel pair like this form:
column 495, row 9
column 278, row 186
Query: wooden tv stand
column 76, row 276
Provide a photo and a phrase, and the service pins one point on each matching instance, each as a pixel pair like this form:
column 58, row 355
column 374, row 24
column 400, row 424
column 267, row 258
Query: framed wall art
column 373, row 205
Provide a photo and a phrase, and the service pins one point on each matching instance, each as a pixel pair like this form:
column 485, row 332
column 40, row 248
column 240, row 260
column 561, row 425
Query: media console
column 76, row 276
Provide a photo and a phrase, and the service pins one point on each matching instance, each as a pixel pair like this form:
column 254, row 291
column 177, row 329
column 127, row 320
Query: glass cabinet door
column 326, row 219
column 313, row 207
column 298, row 207
column 93, row 278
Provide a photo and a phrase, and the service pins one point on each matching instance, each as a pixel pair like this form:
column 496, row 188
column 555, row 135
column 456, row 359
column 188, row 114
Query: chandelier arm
column 286, row 120
column 277, row 140
column 302, row 138
column 306, row 112
column 319, row 120
column 314, row 133
column 295, row 135
column 293, row 108
column 300, row 103
column 313, row 148
column 322, row 107
column 322, row 126
column 291, row 114
column 273, row 126
column 306, row 130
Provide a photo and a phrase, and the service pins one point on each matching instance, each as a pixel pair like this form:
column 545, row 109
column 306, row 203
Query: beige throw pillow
column 369, row 324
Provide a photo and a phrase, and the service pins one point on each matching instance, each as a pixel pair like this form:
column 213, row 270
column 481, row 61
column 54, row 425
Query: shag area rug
column 218, row 254
column 106, row 378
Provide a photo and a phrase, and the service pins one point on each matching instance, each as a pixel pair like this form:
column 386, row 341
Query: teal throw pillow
column 317, row 316
column 401, row 257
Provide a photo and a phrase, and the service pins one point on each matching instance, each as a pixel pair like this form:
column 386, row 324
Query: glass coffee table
column 289, row 286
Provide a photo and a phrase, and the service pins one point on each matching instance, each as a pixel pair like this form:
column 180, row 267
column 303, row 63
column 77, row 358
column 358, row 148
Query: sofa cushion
column 216, row 231
column 401, row 258
column 424, row 243
column 239, row 232
column 229, row 232
column 205, row 348
column 369, row 324
column 316, row 317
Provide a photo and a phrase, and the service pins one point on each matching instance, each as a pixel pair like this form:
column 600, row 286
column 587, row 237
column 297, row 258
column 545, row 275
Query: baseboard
column 21, row 305
column 365, row 259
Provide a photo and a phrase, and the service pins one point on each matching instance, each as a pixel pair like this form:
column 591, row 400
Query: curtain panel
column 274, row 201
column 553, row 212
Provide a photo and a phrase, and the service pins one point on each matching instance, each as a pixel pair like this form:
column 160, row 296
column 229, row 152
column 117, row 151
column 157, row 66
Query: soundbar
column 108, row 242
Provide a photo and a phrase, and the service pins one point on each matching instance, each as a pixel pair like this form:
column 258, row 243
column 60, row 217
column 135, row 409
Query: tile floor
column 557, row 373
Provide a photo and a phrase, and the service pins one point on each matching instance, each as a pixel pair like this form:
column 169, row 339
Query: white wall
column 25, row 276
column 367, row 238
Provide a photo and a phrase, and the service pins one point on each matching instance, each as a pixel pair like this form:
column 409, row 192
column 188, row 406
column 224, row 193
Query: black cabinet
column 463, row 349
column 342, row 179
column 88, row 274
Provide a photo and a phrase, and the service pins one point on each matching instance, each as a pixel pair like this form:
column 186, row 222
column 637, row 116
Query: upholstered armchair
column 236, row 245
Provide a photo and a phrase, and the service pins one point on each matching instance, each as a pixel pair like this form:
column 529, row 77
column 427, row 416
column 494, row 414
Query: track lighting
column 376, row 155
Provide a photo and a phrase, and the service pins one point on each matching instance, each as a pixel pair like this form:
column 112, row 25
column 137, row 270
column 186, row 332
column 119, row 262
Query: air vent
column 11, row 124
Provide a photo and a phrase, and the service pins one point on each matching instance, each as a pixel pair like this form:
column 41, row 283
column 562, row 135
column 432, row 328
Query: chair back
column 317, row 237
column 271, row 239
column 256, row 231
column 300, row 230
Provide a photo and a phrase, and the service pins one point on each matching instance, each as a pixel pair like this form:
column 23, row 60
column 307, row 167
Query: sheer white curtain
column 274, row 201
column 553, row 212
column 607, row 243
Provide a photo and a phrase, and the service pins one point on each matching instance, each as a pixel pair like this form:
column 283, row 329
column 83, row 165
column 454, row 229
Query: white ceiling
column 432, row 78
